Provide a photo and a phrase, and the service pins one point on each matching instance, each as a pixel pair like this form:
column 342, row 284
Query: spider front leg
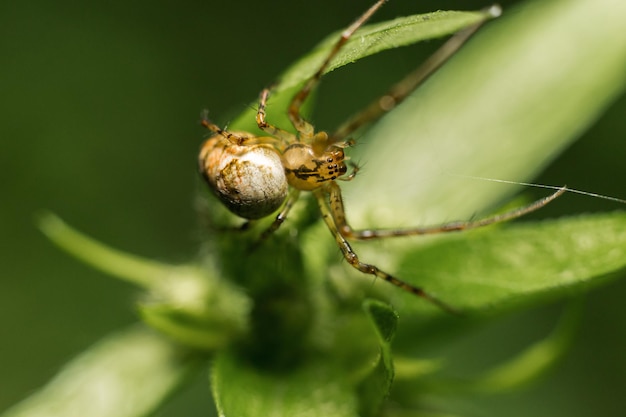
column 285, row 137
column 348, row 253
column 401, row 90
column 301, row 125
column 234, row 138
column 339, row 215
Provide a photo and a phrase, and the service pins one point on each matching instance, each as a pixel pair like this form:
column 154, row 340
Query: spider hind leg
column 352, row 258
column 331, row 205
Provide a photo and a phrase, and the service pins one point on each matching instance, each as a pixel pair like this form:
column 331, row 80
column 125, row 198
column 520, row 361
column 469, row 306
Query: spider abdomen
column 250, row 180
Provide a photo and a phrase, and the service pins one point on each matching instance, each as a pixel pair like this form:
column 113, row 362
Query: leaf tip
column 49, row 223
column 494, row 11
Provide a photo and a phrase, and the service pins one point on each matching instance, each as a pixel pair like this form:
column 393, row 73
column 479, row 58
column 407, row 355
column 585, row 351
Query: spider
column 254, row 176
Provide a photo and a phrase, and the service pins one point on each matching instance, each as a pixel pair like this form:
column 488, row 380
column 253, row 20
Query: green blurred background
column 100, row 104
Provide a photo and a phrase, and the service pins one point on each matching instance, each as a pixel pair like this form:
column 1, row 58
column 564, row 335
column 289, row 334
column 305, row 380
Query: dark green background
column 99, row 110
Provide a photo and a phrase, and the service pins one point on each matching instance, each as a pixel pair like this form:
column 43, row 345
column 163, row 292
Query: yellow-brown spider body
column 306, row 171
column 251, row 174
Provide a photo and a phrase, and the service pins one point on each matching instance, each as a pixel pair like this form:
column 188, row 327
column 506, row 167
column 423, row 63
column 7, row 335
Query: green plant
column 288, row 333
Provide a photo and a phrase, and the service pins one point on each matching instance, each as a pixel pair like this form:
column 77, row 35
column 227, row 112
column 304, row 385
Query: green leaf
column 384, row 319
column 534, row 361
column 316, row 389
column 375, row 388
column 515, row 96
column 369, row 40
column 377, row 37
column 128, row 374
column 139, row 271
column 523, row 89
column 485, row 271
column 187, row 302
column 222, row 317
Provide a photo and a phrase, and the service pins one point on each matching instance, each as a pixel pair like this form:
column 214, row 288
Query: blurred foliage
column 100, row 104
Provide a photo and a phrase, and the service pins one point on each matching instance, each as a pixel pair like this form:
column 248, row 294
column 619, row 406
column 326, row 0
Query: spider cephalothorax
column 307, row 171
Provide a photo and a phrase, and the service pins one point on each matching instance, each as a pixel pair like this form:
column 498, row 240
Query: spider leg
column 339, row 215
column 352, row 174
column 296, row 103
column 348, row 253
column 408, row 84
column 236, row 139
column 239, row 138
column 284, row 136
column 280, row 217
